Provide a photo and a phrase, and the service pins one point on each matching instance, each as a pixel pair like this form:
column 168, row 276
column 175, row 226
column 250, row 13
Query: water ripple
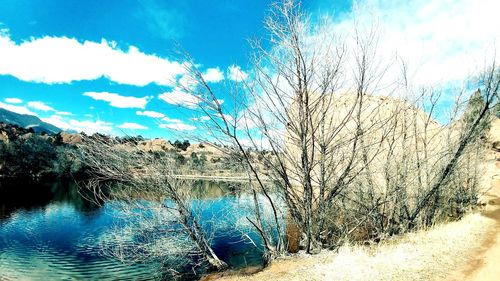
column 58, row 243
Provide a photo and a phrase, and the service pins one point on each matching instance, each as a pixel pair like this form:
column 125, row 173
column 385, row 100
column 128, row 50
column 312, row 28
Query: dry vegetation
column 349, row 164
column 461, row 250
column 424, row 255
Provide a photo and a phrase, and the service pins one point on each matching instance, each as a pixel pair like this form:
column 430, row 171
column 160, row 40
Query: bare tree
column 124, row 173
column 489, row 84
column 290, row 103
column 342, row 162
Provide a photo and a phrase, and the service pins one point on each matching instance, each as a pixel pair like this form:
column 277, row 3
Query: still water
column 49, row 232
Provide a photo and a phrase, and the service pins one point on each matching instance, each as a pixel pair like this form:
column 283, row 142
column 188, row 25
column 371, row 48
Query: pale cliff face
column 393, row 132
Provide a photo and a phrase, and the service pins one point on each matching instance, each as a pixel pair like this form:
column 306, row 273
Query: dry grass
column 424, row 255
column 461, row 250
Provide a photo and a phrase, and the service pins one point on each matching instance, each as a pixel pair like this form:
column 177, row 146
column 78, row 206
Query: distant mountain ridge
column 27, row 121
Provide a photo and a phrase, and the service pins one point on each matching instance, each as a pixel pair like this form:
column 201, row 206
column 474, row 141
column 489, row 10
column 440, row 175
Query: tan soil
column 485, row 262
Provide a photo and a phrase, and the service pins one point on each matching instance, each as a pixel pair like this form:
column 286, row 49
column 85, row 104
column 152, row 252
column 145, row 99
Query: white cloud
column 236, row 74
column 170, row 120
column 57, row 121
column 187, row 82
column 201, row 119
column 91, row 127
column 213, row 75
column 152, row 114
column 88, row 127
column 177, row 126
column 442, row 41
column 117, row 100
column 41, row 106
column 63, row 60
column 181, row 98
column 247, row 122
column 13, row 100
column 63, row 113
column 228, row 117
column 38, row 105
column 132, row 126
column 17, row 109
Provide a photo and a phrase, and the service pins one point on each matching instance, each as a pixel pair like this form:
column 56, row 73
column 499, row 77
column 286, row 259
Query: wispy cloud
column 235, row 73
column 119, row 101
column 88, row 127
column 179, row 97
column 152, row 114
column 171, row 120
column 41, row 106
column 58, row 121
column 38, row 105
column 13, row 100
column 132, row 126
column 163, row 22
column 202, row 118
column 17, row 109
column 177, row 126
column 63, row 60
column 441, row 41
column 160, row 116
column 64, row 113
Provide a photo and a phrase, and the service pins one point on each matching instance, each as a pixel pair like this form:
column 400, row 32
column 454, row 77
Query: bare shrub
column 342, row 162
column 348, row 162
column 161, row 222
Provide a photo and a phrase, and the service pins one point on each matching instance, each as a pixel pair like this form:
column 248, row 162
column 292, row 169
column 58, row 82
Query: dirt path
column 485, row 263
column 419, row 256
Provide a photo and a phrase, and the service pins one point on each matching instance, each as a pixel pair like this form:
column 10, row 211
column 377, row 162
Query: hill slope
column 27, row 121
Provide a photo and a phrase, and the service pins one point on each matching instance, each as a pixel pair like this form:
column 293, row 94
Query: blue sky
column 108, row 66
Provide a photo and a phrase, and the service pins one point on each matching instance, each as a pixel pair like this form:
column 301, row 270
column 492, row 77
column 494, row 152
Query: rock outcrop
column 71, row 138
column 155, row 145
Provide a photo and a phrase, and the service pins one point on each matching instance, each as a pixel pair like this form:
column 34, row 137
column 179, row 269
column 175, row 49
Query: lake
column 50, row 232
